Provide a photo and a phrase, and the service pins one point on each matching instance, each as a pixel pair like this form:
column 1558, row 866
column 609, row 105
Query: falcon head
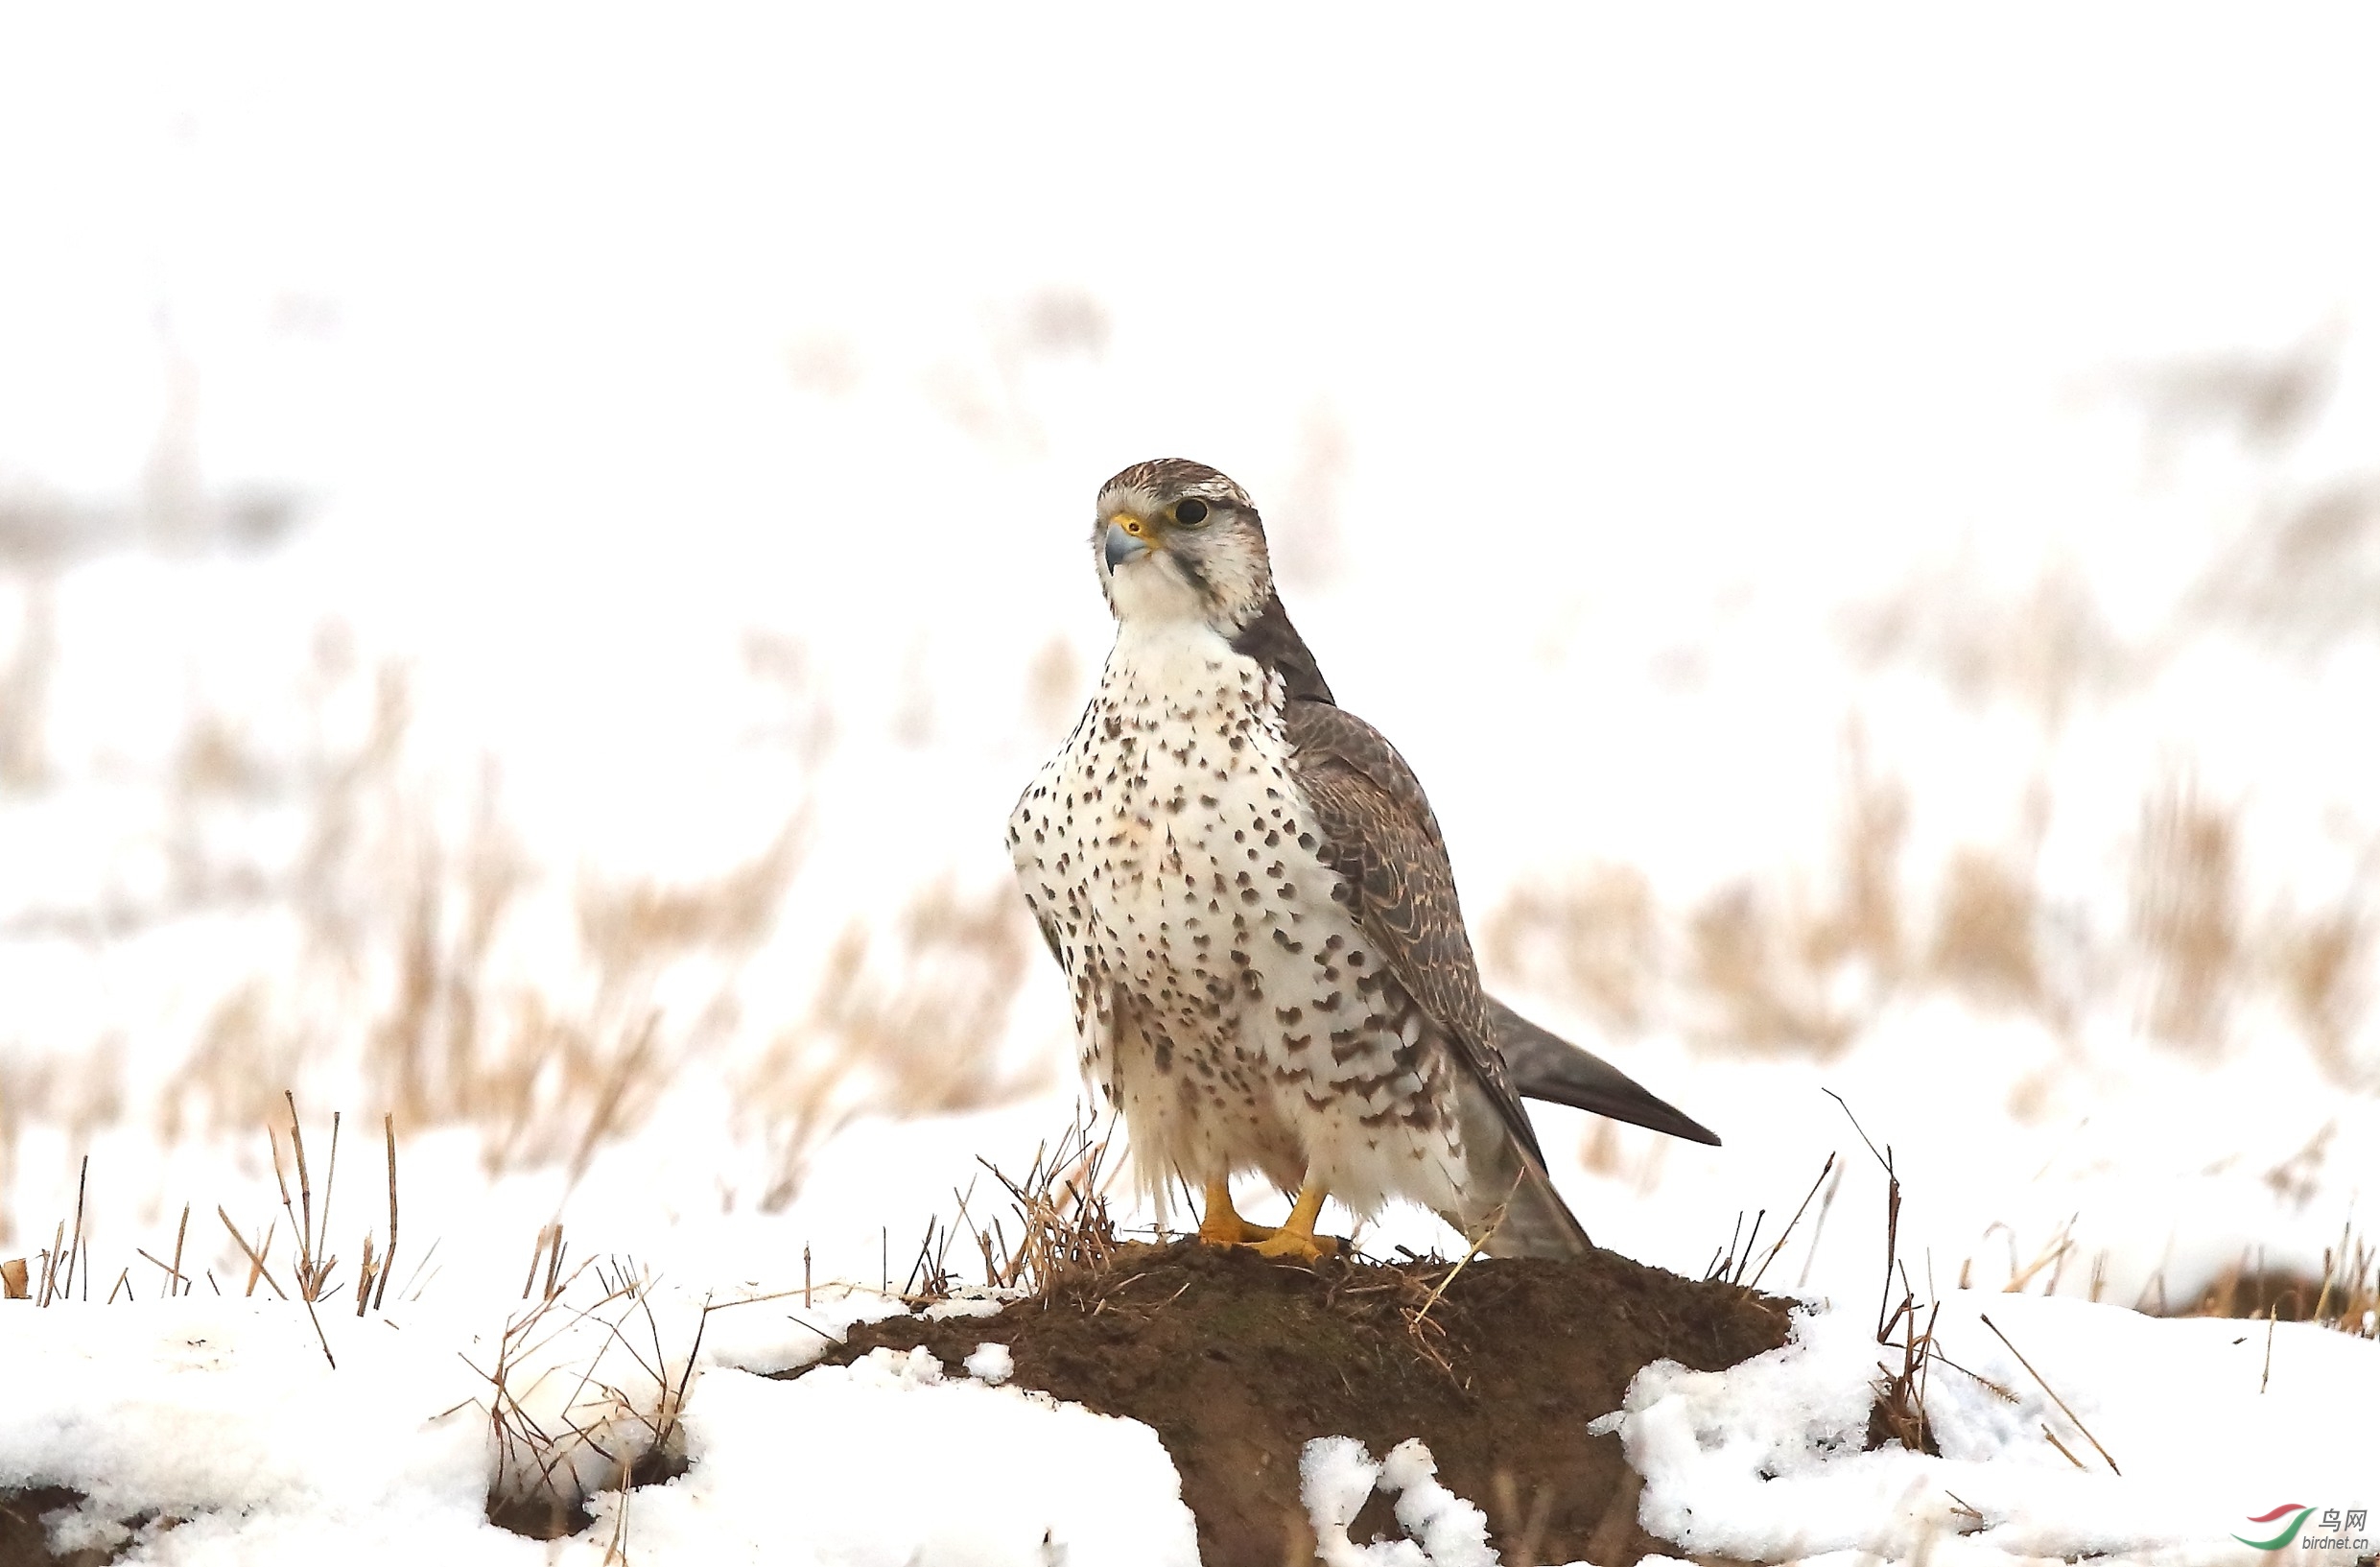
column 1176, row 540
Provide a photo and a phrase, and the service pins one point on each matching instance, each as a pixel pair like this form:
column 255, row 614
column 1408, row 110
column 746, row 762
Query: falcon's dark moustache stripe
column 1192, row 573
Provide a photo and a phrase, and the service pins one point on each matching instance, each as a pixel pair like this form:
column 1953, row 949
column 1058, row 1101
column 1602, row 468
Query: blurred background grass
column 535, row 551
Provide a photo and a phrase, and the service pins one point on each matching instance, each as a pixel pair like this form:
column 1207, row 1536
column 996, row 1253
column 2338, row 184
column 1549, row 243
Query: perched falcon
column 1253, row 906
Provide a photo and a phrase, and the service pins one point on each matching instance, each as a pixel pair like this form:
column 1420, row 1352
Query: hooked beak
column 1125, row 539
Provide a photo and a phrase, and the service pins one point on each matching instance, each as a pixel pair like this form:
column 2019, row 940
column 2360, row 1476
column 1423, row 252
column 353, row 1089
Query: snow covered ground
column 1892, row 501
column 2115, row 1436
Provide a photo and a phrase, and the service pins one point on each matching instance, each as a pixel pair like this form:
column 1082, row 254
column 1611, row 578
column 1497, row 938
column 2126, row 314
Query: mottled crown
column 1163, row 480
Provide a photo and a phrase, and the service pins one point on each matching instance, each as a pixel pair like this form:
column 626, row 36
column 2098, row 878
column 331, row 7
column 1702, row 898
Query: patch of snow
column 224, row 1412
column 1453, row 1533
column 1335, row 1477
column 1765, row 1460
column 834, row 1468
column 992, row 1363
column 1337, row 1474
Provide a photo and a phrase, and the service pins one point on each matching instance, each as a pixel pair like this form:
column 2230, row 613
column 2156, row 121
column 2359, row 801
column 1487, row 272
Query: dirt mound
column 1236, row 1361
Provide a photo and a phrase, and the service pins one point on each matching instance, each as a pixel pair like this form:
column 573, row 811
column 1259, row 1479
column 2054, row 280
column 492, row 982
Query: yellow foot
column 1228, row 1228
column 1222, row 1224
column 1296, row 1238
column 1297, row 1247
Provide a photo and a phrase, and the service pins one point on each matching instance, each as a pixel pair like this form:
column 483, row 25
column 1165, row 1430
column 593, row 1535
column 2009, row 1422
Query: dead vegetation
column 2345, row 1297
column 50, row 1276
column 1799, row 959
column 416, row 955
column 586, row 1393
column 1800, row 963
column 925, row 1035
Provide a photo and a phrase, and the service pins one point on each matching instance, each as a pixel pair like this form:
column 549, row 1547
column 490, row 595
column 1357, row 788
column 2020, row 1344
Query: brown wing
column 1376, row 830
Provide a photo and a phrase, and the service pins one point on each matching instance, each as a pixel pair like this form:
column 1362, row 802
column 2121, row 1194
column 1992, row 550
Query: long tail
column 1536, row 1222
column 1549, row 1067
column 1509, row 1199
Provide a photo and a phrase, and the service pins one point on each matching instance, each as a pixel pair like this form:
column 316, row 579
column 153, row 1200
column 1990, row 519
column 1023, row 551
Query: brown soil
column 1238, row 1362
column 25, row 1543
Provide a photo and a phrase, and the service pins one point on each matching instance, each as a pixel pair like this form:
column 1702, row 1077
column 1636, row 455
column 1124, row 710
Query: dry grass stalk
column 1867, row 922
column 174, row 1283
column 380, row 1296
column 2185, row 912
column 256, row 1256
column 2052, row 1255
column 1817, row 1229
column 50, row 1261
column 924, row 1041
column 1892, row 1215
column 76, row 1259
column 312, row 1270
column 1745, row 964
column 182, row 1232
column 2350, row 1299
column 365, row 1271
column 1899, row 1410
column 2053, row 1398
column 1061, row 1205
column 2323, row 966
column 414, row 1284
column 1983, row 942
column 2063, row 1451
column 1900, row 1406
column 633, row 928
column 1592, row 940
column 59, row 1264
column 548, row 1250
column 330, row 1173
column 1787, row 1234
column 580, row 1397
column 1417, row 1320
column 1729, row 1264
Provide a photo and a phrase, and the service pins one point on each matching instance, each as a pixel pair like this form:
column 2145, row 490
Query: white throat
column 1147, row 591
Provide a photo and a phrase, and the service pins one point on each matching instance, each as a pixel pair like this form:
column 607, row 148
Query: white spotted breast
column 1132, row 843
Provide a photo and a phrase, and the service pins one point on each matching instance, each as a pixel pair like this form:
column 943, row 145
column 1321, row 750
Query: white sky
column 1625, row 319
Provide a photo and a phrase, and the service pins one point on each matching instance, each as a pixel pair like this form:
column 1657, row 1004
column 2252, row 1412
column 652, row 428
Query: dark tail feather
column 1535, row 1222
column 1510, row 1200
column 1547, row 1066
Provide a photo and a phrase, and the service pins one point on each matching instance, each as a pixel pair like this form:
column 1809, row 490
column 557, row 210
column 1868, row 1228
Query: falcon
column 1251, row 902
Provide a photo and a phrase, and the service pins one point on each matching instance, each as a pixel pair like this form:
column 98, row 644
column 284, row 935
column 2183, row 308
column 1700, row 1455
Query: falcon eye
column 1191, row 512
